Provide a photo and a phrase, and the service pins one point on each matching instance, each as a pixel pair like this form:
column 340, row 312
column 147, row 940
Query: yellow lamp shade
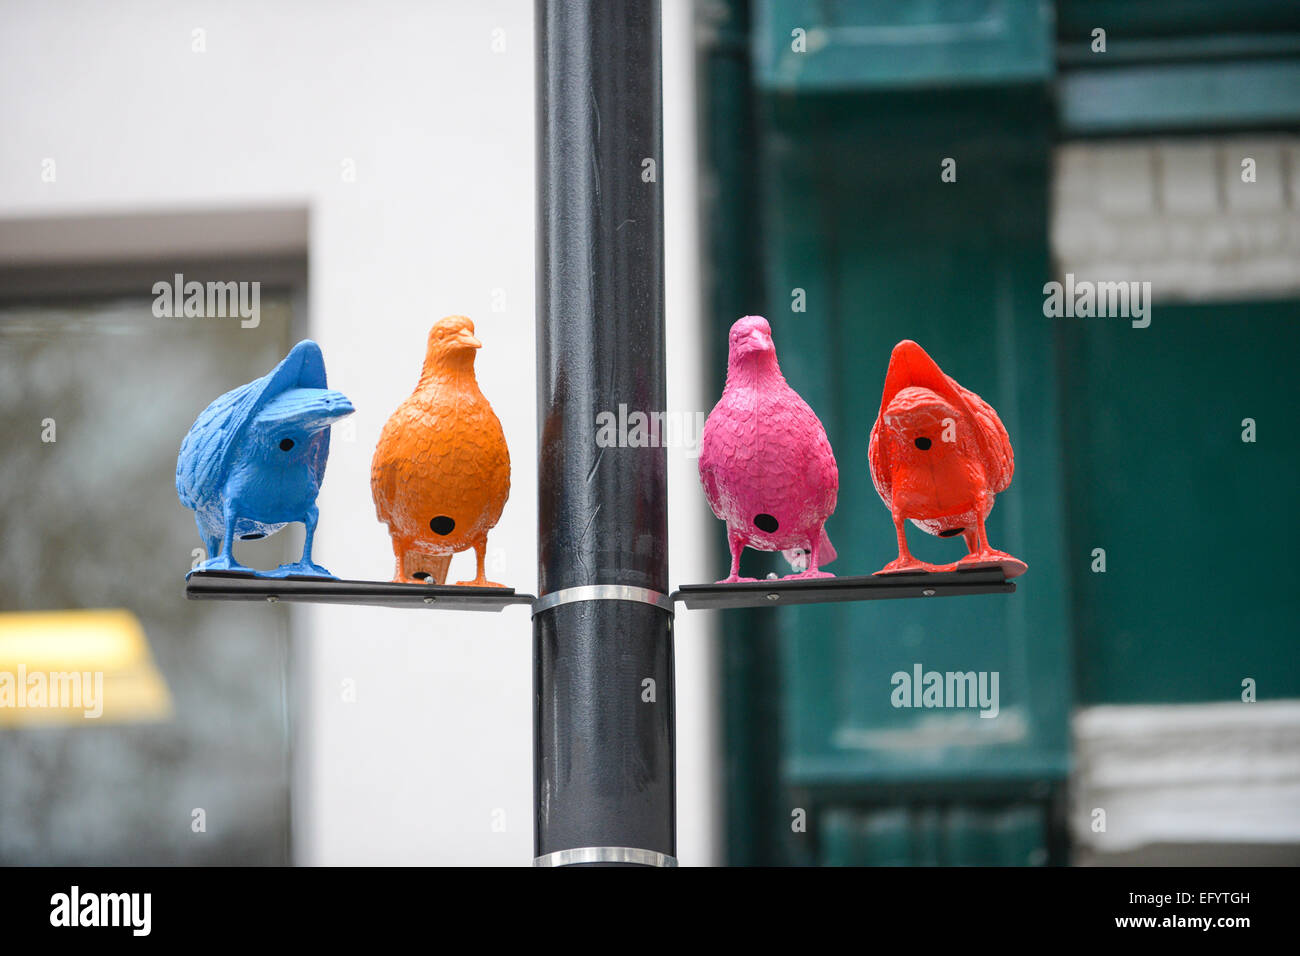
column 78, row 667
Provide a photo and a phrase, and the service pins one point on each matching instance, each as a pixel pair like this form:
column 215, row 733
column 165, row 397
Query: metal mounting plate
column 869, row 587
column 239, row 586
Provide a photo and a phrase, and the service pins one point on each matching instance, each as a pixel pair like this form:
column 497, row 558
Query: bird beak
column 759, row 341
column 309, row 409
column 335, row 407
column 465, row 339
column 339, row 406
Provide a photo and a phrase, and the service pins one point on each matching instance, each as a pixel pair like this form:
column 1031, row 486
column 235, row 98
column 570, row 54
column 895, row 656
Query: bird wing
column 383, row 470
column 878, row 463
column 817, row 447
column 206, row 449
column 709, row 478
column 320, row 453
column 419, row 445
column 207, row 445
column 711, row 444
column 999, row 459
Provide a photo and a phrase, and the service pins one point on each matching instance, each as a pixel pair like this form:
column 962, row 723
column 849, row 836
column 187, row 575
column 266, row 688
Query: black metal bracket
column 778, row 592
column 241, row 586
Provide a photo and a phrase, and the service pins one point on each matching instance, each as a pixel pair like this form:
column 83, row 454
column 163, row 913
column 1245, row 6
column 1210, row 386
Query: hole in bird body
column 422, row 575
column 950, row 532
column 251, row 536
column 922, row 443
column 442, row 525
column 765, row 522
column 286, row 444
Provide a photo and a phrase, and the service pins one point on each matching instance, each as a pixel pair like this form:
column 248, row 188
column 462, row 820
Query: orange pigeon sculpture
column 441, row 472
column 938, row 456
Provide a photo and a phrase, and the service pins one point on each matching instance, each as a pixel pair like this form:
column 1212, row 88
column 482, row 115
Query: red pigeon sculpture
column 939, row 455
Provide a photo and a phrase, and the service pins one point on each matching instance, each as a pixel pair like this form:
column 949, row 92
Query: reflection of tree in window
column 91, row 520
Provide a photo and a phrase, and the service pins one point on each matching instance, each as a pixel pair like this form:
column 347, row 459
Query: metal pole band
column 605, row 854
column 602, row 592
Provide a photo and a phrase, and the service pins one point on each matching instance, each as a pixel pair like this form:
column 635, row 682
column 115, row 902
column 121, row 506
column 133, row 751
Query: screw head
column 773, row 596
column 928, row 592
column 430, row 599
column 272, row 599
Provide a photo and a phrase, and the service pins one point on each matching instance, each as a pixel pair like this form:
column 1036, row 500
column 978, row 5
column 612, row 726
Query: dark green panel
column 1076, row 19
column 885, row 44
column 848, row 207
column 1197, row 591
column 1199, row 96
column 845, row 203
column 960, row 834
column 860, row 220
column 855, row 838
column 1195, row 65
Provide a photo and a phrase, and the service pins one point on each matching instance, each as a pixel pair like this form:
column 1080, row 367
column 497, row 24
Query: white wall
column 440, row 129
column 1177, row 213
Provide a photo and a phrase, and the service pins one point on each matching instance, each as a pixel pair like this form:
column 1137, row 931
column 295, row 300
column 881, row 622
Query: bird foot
column 299, row 569
column 1011, row 566
column 806, row 575
column 479, row 583
column 223, row 562
column 907, row 565
column 735, row 579
column 412, row 579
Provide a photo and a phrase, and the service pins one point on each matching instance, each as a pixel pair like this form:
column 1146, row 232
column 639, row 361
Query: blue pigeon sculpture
column 254, row 459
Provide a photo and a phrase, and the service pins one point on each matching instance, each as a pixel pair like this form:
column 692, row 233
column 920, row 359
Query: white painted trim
column 215, row 233
column 1187, row 773
column 1176, row 213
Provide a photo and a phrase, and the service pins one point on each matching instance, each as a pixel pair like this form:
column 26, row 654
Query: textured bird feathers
column 770, row 429
column 440, row 475
column 764, row 451
column 205, row 448
column 1000, row 461
column 208, row 447
column 306, row 405
column 911, row 366
column 442, row 433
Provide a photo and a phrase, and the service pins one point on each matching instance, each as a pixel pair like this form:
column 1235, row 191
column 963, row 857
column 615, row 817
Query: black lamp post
column 602, row 626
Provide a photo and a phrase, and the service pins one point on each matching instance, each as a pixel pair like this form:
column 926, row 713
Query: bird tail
column 798, row 557
column 826, row 551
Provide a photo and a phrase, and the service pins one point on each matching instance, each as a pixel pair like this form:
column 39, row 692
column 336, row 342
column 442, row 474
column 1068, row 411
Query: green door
column 863, row 243
column 827, row 128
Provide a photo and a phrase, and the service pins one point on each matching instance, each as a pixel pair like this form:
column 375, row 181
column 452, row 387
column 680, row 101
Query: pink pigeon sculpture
column 765, row 462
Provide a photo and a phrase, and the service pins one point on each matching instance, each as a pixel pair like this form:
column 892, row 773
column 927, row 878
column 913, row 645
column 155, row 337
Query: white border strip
column 605, row 854
column 1226, row 772
column 602, row 592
